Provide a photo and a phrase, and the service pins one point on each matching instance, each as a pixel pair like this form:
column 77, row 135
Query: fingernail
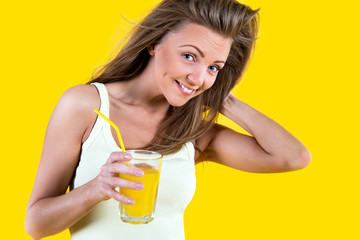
column 131, row 201
column 139, row 186
column 127, row 156
column 139, row 173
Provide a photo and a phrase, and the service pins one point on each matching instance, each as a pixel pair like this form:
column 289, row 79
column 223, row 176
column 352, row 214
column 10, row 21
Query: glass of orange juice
column 145, row 199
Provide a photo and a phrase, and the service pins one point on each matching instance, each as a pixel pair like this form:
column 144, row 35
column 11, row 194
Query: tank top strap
column 104, row 98
column 101, row 126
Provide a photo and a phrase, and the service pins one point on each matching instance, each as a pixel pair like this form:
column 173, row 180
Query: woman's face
column 186, row 61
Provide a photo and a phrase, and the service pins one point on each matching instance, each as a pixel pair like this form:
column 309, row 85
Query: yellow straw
column 115, row 127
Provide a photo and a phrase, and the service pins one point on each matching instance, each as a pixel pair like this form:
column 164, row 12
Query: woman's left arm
column 270, row 148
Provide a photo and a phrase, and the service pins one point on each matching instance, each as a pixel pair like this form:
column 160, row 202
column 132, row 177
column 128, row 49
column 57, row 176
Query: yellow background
column 304, row 75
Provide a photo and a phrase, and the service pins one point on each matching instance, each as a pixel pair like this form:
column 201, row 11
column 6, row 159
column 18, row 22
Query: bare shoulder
column 80, row 96
column 79, row 99
column 75, row 108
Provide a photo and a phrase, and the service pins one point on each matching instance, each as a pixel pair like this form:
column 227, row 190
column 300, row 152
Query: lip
column 182, row 90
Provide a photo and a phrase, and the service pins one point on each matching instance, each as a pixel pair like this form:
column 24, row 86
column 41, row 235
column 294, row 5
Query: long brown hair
column 227, row 17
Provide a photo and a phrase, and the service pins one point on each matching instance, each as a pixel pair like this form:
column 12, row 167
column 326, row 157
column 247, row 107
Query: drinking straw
column 115, row 127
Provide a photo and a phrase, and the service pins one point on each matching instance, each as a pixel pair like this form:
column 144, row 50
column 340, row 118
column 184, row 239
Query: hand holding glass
column 145, row 200
column 150, row 162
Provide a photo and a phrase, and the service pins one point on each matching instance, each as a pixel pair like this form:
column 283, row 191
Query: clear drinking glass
column 145, row 200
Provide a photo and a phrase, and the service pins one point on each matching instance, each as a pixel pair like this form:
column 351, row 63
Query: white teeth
column 185, row 88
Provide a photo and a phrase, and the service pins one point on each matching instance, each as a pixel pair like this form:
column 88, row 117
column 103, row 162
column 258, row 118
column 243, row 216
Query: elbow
column 31, row 229
column 304, row 159
column 300, row 160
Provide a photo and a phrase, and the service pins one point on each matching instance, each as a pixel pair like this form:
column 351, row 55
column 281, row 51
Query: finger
column 119, row 197
column 124, row 169
column 120, row 182
column 119, row 156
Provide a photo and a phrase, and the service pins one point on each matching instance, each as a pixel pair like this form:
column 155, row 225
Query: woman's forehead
column 200, row 36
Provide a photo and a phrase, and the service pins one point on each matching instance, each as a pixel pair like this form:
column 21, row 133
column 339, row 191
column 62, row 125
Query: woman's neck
column 142, row 91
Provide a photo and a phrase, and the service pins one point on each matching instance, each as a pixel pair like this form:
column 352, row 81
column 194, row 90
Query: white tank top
column 176, row 189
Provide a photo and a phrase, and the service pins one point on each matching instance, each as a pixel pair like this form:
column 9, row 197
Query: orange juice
column 145, row 198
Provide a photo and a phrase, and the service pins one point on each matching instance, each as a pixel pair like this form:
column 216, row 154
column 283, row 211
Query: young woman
column 164, row 90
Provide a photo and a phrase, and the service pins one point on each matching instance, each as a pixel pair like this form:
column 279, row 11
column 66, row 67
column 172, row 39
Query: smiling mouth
column 184, row 89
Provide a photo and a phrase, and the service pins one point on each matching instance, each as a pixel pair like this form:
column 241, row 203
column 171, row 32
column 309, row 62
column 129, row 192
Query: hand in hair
column 271, row 148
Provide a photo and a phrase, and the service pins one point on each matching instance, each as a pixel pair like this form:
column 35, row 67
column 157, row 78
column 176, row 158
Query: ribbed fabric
column 176, row 189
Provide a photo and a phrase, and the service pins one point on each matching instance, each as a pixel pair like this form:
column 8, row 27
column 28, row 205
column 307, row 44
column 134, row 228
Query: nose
column 197, row 76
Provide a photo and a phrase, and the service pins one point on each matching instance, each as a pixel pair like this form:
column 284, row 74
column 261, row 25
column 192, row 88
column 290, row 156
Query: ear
column 151, row 49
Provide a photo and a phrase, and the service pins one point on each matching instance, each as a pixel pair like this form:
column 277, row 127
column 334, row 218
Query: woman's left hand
column 270, row 148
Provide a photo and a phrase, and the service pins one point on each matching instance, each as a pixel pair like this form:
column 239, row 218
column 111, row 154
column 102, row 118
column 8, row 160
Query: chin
column 177, row 102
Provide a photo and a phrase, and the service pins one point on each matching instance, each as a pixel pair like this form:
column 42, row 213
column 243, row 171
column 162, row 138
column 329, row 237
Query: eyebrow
column 200, row 52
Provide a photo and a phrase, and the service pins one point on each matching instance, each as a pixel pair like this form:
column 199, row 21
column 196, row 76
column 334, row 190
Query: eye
column 214, row 68
column 189, row 57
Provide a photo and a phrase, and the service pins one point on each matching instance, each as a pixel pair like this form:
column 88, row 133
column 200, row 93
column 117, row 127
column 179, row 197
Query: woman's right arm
column 50, row 209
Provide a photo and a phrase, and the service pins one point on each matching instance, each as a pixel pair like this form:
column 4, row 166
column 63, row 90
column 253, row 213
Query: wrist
column 92, row 196
column 232, row 106
column 238, row 111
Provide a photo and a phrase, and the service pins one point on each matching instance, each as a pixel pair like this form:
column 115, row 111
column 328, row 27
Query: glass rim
column 150, row 155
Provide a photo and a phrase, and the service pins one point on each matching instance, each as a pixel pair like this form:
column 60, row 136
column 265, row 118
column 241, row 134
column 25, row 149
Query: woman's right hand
column 108, row 179
column 51, row 209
